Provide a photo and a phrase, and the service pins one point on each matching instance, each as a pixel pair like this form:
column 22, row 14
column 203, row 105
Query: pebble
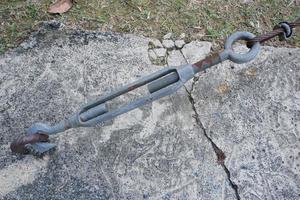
column 152, row 55
column 179, row 44
column 160, row 52
column 168, row 44
column 181, row 36
column 168, row 36
column 158, row 56
column 175, row 58
column 155, row 43
column 196, row 50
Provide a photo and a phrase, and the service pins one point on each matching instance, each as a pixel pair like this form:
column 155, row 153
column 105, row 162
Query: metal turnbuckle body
column 161, row 83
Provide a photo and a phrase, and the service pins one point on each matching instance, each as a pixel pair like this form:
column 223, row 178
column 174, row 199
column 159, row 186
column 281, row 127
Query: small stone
column 223, row 88
column 175, row 58
column 161, row 54
column 196, row 50
column 152, row 56
column 155, row 43
column 251, row 72
column 252, row 24
column 179, row 44
column 168, row 36
column 168, row 44
column 181, row 36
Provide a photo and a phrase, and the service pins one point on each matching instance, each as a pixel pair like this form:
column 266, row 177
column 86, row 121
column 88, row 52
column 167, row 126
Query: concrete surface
column 231, row 133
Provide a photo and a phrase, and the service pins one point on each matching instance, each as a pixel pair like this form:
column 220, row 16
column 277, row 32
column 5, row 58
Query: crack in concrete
column 219, row 153
column 186, row 61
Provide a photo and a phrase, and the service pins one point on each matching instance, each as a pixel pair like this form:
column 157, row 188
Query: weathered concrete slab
column 171, row 149
column 155, row 152
column 252, row 113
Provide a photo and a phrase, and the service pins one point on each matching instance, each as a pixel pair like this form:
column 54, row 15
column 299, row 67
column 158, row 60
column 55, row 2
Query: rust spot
column 220, row 154
column 251, row 72
column 209, row 61
column 18, row 145
column 133, row 87
column 223, row 88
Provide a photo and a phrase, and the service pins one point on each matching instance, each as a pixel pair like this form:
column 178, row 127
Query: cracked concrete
column 180, row 57
column 253, row 122
column 231, row 133
column 219, row 153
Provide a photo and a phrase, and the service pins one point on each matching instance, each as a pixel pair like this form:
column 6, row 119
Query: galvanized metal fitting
column 161, row 83
column 229, row 53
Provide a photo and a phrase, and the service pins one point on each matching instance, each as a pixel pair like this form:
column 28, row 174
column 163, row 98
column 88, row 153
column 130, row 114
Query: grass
column 211, row 20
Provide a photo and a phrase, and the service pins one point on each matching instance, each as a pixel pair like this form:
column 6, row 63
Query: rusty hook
column 19, row 145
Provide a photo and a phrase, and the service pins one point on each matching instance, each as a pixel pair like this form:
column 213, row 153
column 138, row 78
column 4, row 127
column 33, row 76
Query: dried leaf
column 60, row 6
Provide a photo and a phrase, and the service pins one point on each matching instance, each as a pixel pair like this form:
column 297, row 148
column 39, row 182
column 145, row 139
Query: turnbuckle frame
column 160, row 84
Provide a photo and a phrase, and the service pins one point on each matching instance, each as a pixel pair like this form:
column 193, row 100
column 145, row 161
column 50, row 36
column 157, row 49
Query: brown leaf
column 60, row 6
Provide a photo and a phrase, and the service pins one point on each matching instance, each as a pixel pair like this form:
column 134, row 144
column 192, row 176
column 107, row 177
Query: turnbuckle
column 160, row 84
